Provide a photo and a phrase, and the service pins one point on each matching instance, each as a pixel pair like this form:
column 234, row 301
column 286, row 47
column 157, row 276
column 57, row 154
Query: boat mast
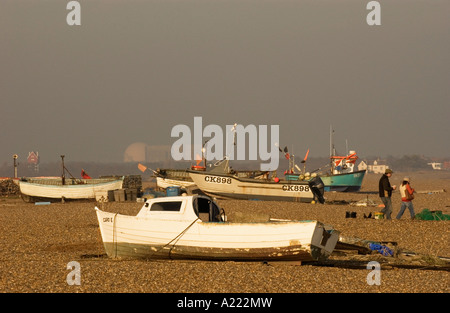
column 332, row 152
column 331, row 140
column 63, row 176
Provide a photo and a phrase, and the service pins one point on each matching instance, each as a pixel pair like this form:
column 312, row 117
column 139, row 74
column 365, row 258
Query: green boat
column 340, row 174
column 345, row 182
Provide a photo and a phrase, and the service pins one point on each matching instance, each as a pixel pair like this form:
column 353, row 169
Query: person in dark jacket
column 385, row 192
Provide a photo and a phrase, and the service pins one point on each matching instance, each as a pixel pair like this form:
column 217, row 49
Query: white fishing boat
column 73, row 189
column 173, row 177
column 226, row 186
column 64, row 188
column 167, row 182
column 181, row 178
column 194, row 227
column 223, row 184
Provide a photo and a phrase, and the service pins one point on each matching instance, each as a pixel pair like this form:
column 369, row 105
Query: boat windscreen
column 172, row 206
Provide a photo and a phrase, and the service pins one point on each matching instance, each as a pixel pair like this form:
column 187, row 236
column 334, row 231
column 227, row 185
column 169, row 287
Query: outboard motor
column 317, row 187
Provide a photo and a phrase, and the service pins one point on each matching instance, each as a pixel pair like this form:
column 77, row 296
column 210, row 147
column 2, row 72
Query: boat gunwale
column 341, row 174
column 71, row 186
column 252, row 180
column 273, row 221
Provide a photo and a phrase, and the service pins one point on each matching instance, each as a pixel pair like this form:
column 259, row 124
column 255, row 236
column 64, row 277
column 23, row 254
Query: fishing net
column 427, row 215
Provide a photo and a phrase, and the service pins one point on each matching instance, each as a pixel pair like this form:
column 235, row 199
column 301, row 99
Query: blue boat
column 341, row 177
column 340, row 174
column 345, row 182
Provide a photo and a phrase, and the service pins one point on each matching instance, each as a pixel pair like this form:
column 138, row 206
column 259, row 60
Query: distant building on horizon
column 436, row 165
column 33, row 160
column 440, row 165
column 374, row 168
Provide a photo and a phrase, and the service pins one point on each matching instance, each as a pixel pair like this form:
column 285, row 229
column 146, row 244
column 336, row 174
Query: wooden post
column 15, row 157
column 63, row 177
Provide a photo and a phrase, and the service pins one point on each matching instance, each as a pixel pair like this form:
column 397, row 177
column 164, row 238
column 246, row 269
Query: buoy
column 276, row 179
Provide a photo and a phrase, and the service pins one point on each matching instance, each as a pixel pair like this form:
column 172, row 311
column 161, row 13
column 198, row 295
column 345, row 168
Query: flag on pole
column 306, row 156
column 84, row 175
column 142, row 168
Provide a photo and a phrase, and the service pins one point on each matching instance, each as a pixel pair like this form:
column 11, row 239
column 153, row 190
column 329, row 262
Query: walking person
column 407, row 196
column 385, row 192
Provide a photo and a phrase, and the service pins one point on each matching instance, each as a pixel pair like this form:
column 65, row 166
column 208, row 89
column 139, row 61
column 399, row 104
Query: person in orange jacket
column 405, row 190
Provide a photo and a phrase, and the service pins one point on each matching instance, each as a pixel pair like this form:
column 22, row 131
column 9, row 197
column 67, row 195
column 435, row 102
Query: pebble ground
column 38, row 241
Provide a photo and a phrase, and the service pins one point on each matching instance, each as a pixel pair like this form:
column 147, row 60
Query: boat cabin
column 183, row 208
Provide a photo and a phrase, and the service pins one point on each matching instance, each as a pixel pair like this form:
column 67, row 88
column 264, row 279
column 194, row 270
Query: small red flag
column 84, row 175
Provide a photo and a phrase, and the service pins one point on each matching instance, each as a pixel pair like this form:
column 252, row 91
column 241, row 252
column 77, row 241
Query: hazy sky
column 135, row 69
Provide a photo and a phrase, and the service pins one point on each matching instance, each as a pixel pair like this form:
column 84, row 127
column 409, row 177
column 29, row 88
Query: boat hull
column 231, row 187
column 347, row 182
column 181, row 178
column 52, row 191
column 134, row 237
column 168, row 182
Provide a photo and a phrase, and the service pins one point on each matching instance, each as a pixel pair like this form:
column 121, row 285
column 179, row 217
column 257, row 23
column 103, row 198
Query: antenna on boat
column 332, row 151
column 233, row 130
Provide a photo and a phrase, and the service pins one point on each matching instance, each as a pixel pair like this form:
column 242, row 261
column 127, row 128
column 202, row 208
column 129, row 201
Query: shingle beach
column 38, row 241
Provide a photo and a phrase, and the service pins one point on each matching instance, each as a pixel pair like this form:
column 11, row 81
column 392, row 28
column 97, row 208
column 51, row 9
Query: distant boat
column 33, row 189
column 343, row 182
column 194, row 227
column 62, row 188
column 175, row 177
column 342, row 175
column 221, row 183
column 339, row 174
